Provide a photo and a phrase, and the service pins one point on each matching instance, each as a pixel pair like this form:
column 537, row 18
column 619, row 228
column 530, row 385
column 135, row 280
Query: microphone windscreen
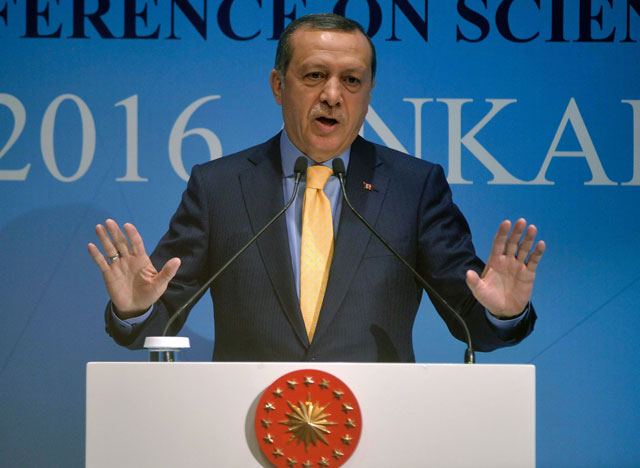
column 338, row 166
column 300, row 167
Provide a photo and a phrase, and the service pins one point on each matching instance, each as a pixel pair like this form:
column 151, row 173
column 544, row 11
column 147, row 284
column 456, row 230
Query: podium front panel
column 413, row 415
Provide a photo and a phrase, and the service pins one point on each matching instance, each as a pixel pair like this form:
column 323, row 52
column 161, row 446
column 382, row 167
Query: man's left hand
column 505, row 286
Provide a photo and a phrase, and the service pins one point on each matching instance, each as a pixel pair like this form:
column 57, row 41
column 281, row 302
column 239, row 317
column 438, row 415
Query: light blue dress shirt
column 289, row 153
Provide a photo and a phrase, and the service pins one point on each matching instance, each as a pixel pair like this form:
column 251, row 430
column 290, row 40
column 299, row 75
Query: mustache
column 322, row 110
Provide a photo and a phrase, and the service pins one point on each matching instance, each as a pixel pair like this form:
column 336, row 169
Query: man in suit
column 362, row 302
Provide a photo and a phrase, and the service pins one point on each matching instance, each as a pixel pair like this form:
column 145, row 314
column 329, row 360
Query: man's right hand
column 132, row 281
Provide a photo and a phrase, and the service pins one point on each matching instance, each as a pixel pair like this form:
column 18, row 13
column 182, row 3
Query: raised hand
column 132, row 281
column 505, row 286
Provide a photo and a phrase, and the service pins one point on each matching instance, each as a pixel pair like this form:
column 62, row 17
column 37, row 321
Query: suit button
column 312, row 359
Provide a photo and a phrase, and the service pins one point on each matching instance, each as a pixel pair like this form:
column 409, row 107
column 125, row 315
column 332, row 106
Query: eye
column 314, row 76
column 352, row 80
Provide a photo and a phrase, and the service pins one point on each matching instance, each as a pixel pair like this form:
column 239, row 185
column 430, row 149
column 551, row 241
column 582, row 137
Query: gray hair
column 322, row 22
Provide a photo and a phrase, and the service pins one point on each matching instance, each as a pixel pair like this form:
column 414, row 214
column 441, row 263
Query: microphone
column 299, row 169
column 469, row 355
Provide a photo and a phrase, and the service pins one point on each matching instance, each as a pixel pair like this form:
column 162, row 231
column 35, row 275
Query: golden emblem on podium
column 308, row 418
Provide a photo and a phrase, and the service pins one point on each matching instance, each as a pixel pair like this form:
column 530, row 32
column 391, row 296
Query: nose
column 332, row 92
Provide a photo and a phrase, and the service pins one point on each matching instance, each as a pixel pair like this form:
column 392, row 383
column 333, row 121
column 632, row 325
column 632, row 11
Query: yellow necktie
column 317, row 246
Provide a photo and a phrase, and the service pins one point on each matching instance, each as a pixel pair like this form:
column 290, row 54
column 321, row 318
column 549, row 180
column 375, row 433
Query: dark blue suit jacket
column 371, row 299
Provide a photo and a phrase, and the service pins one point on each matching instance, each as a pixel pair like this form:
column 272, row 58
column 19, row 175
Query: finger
column 107, row 245
column 527, row 242
column 137, row 246
column 473, row 281
column 501, row 238
column 514, row 238
column 536, row 255
column 119, row 239
column 169, row 270
column 98, row 258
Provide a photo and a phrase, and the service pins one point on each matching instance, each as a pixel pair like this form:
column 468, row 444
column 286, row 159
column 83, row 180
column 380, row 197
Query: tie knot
column 317, row 176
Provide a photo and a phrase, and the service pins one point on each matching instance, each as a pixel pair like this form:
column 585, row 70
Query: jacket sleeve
column 187, row 238
column 446, row 252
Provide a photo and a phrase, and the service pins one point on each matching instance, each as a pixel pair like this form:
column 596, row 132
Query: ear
column 276, row 85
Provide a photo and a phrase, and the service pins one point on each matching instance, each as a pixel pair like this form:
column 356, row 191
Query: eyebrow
column 318, row 65
column 309, row 65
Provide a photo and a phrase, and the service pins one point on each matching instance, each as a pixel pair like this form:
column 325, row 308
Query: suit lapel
column 353, row 236
column 262, row 191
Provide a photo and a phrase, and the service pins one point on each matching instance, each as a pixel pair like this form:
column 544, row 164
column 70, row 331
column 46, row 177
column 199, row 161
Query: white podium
column 413, row 415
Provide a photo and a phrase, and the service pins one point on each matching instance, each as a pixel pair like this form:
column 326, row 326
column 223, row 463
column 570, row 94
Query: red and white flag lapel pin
column 367, row 186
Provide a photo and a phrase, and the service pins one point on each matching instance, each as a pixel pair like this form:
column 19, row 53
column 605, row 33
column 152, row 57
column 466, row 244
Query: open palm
column 506, row 284
column 132, row 281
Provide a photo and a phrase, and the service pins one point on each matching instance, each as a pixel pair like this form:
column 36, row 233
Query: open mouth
column 327, row 121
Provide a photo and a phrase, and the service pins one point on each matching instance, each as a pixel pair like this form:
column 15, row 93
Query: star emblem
column 308, row 422
column 346, row 440
column 308, row 419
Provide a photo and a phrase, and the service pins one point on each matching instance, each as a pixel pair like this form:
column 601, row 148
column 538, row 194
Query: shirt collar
column 289, row 153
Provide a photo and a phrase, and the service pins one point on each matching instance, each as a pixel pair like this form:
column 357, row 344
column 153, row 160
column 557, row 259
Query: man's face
column 326, row 90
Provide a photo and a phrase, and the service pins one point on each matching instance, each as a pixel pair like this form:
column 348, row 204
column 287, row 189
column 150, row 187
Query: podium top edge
column 300, row 365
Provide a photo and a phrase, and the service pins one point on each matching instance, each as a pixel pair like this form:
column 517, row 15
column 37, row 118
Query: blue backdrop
column 531, row 106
